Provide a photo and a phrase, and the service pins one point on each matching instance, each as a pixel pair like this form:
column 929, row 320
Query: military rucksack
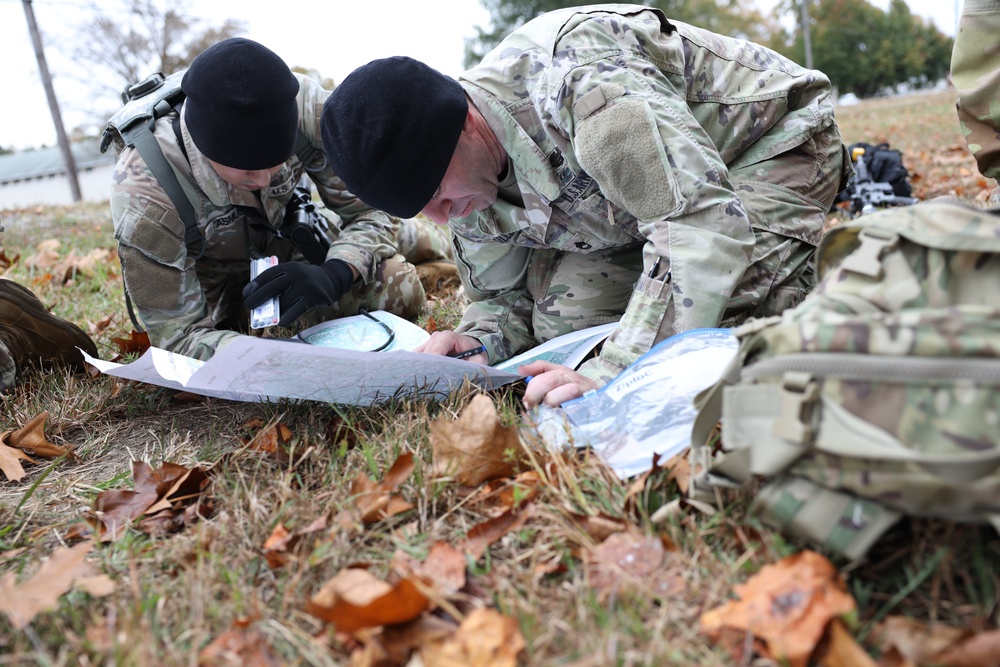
column 878, row 395
column 880, row 179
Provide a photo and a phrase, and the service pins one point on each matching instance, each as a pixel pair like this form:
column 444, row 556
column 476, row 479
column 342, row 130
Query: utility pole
column 807, row 44
column 50, row 93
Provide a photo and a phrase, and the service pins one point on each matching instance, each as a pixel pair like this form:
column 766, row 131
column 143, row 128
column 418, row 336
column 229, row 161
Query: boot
column 33, row 335
column 436, row 276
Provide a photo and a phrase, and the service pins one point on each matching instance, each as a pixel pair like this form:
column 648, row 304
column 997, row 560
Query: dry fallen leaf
column 633, row 563
column 482, row 535
column 443, row 569
column 510, row 493
column 10, row 462
column 601, row 526
column 73, row 264
column 46, row 257
column 356, row 599
column 7, row 262
column 842, row 650
column 373, row 502
column 475, row 447
column 272, row 441
column 172, row 495
column 31, row 438
column 982, row 650
column 913, row 642
column 22, row 602
column 486, row 638
column 282, row 545
column 397, row 641
column 136, row 343
column 240, row 646
column 787, row 605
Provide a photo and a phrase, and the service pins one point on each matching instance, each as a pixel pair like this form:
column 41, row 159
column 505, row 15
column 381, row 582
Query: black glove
column 299, row 287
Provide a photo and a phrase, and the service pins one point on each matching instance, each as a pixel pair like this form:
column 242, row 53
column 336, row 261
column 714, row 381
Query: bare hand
column 448, row 343
column 553, row 384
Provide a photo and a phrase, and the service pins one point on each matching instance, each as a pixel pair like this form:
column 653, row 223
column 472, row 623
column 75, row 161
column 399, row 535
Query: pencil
column 468, row 353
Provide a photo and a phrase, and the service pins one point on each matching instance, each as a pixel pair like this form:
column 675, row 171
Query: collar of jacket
column 532, row 164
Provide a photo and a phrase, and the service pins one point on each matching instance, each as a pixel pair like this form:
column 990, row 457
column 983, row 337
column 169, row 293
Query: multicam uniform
column 975, row 71
column 669, row 176
column 194, row 306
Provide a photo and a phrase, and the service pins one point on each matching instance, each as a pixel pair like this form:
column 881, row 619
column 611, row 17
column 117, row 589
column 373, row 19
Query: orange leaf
column 842, row 650
column 508, row 494
column 279, row 547
column 136, row 343
column 486, row 638
column 31, row 438
column 788, row 605
column 41, row 592
column 373, row 501
column 10, row 462
column 356, row 599
column 443, row 569
column 482, row 535
column 240, row 645
column 475, row 447
column 273, row 440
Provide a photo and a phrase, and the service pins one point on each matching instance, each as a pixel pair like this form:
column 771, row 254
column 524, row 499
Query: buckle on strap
column 799, row 393
column 867, row 257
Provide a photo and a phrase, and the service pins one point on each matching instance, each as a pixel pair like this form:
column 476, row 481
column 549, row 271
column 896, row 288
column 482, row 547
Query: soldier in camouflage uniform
column 32, row 336
column 602, row 164
column 233, row 142
column 975, row 71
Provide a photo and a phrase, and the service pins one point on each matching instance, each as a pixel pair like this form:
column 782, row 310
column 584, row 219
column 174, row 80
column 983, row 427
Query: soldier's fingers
column 537, row 367
column 561, row 394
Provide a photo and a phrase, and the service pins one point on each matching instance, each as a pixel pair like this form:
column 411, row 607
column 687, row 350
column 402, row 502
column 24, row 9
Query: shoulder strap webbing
column 164, row 174
column 141, row 136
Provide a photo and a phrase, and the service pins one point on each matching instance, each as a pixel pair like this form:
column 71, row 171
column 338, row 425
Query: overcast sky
column 330, row 36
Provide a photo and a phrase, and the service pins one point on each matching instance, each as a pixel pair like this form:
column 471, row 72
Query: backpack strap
column 140, row 135
column 839, row 521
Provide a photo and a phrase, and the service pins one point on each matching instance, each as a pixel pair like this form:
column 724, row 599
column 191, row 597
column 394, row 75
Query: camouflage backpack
column 877, row 396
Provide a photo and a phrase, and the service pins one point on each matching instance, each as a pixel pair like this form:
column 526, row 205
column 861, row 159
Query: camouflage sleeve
column 975, row 71
column 499, row 313
column 167, row 297
column 633, row 132
column 367, row 235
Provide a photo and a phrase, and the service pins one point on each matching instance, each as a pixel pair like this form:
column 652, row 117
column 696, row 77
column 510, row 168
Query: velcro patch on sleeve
column 150, row 284
column 619, row 147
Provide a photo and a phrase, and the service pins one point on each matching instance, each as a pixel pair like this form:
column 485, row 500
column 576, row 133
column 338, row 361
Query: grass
column 176, row 594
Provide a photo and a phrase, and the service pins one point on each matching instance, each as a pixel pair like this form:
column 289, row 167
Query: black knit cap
column 390, row 130
column 240, row 105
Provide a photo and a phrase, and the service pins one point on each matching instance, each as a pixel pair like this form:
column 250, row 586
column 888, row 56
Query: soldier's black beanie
column 390, row 130
column 240, row 105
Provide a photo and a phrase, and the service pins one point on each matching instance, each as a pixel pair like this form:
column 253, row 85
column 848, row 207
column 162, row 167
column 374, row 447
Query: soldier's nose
column 437, row 212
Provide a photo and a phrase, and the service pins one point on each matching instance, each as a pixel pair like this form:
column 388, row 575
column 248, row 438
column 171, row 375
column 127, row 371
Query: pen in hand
column 468, row 353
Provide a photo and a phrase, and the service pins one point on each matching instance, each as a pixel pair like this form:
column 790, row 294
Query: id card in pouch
column 268, row 313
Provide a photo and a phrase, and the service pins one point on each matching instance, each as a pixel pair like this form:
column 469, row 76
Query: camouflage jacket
column 621, row 128
column 184, row 303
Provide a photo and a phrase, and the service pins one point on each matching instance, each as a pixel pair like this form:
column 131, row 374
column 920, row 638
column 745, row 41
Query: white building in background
column 30, row 178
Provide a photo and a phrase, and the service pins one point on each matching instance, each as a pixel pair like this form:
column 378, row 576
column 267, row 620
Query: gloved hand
column 299, row 286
